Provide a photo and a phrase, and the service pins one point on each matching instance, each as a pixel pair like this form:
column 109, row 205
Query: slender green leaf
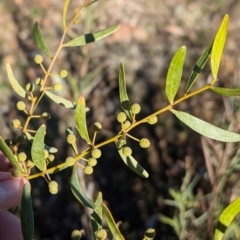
column 229, row 92
column 123, row 92
column 111, row 224
column 198, row 67
column 77, row 190
column 167, row 220
column 226, row 217
column 37, row 150
column 96, row 216
column 174, row 74
column 173, row 222
column 27, row 221
column 61, row 101
column 48, row 148
column 206, row 129
column 8, row 153
column 65, row 8
column 39, row 40
column 131, row 162
column 80, row 118
column 15, row 85
column 91, row 37
column 218, row 46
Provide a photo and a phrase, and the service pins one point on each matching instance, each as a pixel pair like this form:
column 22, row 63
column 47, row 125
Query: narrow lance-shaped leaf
column 60, row 101
column 48, row 148
column 131, row 162
column 111, row 224
column 123, row 92
column 39, row 40
column 77, row 190
column 218, row 46
column 226, row 217
column 206, row 129
column 37, row 150
column 8, row 153
column 27, row 221
column 229, row 92
column 91, row 37
column 15, row 85
column 174, row 74
column 80, row 118
column 167, row 220
column 198, row 67
column 65, row 8
column 96, row 216
column 173, row 222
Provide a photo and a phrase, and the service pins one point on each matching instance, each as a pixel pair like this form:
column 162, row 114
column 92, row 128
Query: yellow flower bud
column 53, row 187
column 38, row 59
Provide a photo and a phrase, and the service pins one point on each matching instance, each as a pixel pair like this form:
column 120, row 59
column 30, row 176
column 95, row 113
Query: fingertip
column 10, row 226
column 11, row 192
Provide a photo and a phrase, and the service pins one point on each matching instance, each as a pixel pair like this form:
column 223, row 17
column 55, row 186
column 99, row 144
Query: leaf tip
column 226, row 17
column 81, row 99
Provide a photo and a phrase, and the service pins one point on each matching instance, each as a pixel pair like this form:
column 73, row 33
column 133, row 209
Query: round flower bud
column 88, row 170
column 38, row 59
column 46, row 154
column 127, row 151
column 16, row 173
column 30, row 87
column 135, row 108
column 121, row 117
column 30, row 164
column 16, row 123
column 53, row 187
column 71, row 138
column 152, row 120
column 76, row 235
column 22, row 138
column 39, row 81
column 96, row 153
column 92, row 162
column 101, row 234
column 63, row 73
column 22, row 156
column 126, row 124
column 97, row 126
column 46, row 116
column 144, row 143
column 150, row 233
column 51, row 157
column 57, row 87
column 21, row 105
column 70, row 161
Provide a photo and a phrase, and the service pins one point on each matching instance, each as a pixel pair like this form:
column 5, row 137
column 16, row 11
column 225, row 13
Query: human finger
column 11, row 192
column 10, row 226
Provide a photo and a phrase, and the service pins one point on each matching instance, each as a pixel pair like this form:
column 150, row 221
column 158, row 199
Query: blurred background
column 191, row 179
